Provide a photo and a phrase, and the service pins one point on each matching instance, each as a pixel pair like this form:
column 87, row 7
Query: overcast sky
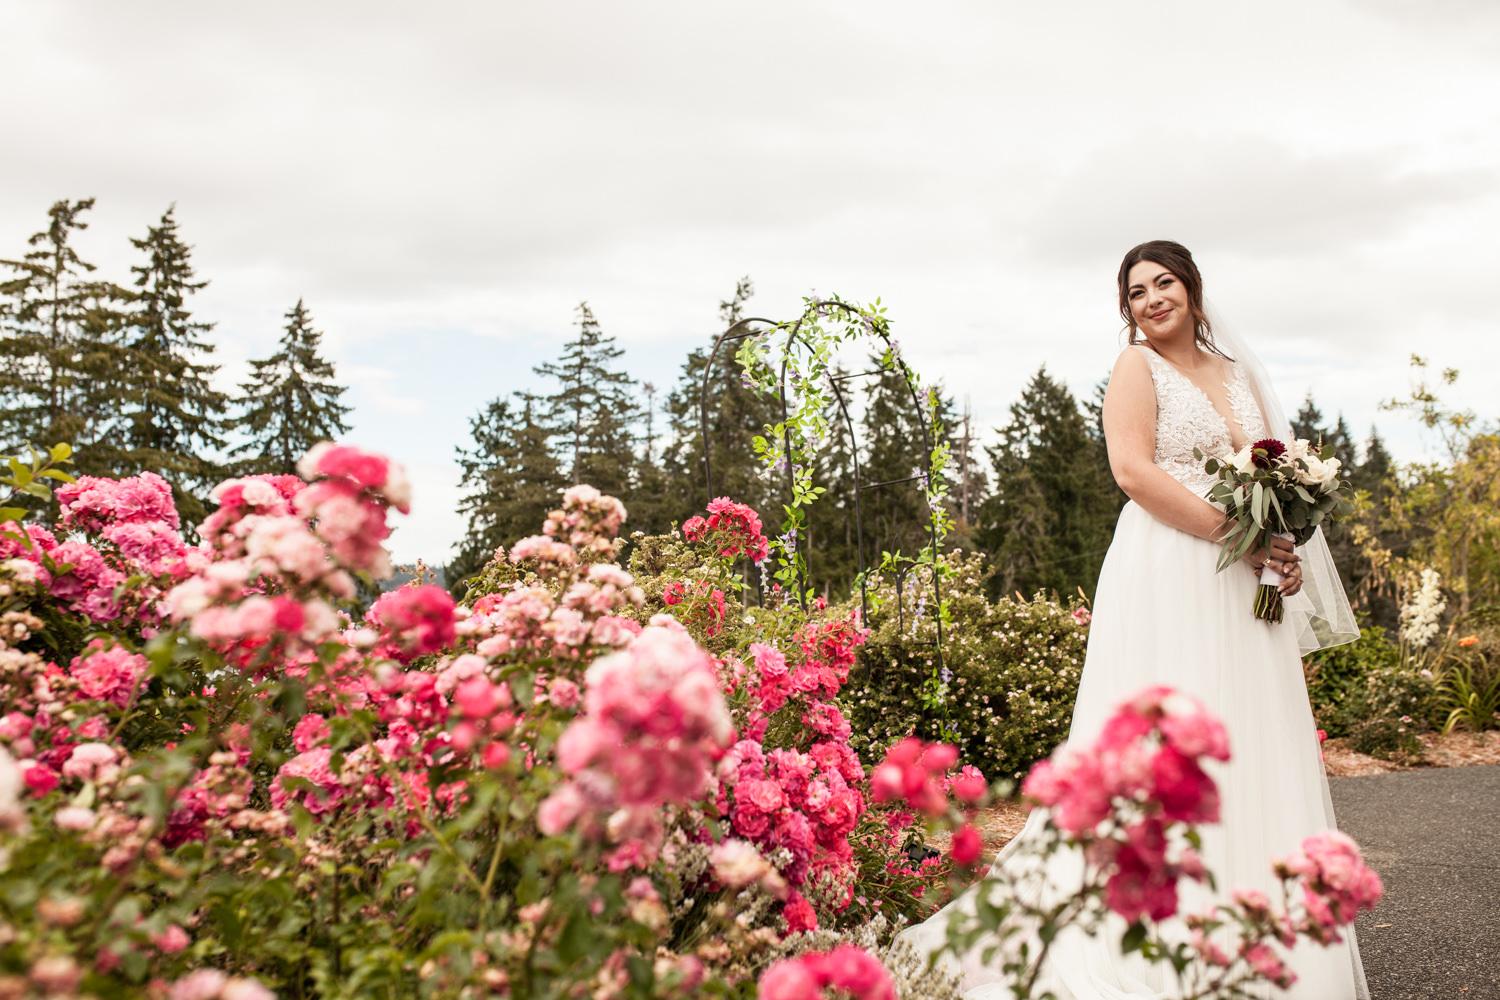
column 444, row 182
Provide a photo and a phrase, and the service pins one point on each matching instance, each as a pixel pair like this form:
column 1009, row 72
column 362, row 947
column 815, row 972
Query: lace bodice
column 1186, row 419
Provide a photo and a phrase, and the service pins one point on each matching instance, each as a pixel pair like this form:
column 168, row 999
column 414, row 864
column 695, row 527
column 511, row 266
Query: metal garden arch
column 760, row 327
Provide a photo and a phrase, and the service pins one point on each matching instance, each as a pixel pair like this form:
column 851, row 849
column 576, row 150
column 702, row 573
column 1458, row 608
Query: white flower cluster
column 1419, row 619
column 1301, row 459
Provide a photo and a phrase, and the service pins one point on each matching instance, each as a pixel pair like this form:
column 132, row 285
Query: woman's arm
column 1130, row 434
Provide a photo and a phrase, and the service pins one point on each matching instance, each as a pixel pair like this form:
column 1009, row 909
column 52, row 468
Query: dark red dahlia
column 1265, row 453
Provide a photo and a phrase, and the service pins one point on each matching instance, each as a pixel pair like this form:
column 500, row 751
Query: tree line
column 124, row 371
column 1039, row 502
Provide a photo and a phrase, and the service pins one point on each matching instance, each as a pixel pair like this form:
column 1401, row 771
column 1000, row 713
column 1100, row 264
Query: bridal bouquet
column 1271, row 488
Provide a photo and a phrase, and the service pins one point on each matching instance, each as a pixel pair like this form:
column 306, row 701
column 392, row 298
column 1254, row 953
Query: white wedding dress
column 1163, row 615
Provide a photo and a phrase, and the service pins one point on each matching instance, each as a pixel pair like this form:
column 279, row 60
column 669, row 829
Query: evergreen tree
column 969, row 482
column 830, row 535
column 291, row 402
column 592, row 412
column 653, row 508
column 1049, row 519
column 1374, row 472
column 171, row 415
column 736, row 413
column 1342, row 443
column 1308, row 423
column 895, row 516
column 512, row 479
column 57, row 354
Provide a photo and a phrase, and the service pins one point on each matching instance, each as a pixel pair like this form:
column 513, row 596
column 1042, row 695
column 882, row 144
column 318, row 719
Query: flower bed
column 216, row 782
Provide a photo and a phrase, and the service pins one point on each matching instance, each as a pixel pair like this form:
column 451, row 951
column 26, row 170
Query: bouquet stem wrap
column 1268, row 602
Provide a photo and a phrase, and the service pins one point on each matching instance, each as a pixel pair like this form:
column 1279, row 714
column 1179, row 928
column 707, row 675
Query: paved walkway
column 1434, row 837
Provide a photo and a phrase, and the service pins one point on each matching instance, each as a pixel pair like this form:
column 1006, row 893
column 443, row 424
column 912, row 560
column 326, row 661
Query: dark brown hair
column 1175, row 258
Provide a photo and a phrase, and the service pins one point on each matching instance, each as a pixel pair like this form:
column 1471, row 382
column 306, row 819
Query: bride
column 1163, row 615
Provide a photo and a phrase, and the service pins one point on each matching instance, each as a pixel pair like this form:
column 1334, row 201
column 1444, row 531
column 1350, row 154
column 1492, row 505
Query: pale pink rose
column 1266, row 962
column 559, row 810
column 92, row 762
column 74, row 819
column 562, row 692
column 788, row 979
column 203, row 984
column 1209, row 950
column 737, row 863
column 171, row 940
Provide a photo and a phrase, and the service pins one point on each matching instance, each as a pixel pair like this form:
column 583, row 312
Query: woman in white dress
column 1163, row 615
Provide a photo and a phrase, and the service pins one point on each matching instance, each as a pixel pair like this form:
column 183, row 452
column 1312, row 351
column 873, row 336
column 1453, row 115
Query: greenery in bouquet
column 1271, row 488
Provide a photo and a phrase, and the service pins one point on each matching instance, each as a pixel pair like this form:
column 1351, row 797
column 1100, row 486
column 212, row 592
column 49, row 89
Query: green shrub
column 1383, row 716
column 1011, row 672
column 1361, row 690
column 1337, row 675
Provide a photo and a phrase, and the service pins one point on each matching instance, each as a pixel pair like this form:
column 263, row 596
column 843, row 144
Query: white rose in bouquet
column 1243, row 460
column 1320, row 473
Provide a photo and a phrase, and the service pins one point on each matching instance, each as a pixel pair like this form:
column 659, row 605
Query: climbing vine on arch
column 794, row 359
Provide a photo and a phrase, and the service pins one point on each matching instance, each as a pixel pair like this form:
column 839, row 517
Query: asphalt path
column 1434, row 837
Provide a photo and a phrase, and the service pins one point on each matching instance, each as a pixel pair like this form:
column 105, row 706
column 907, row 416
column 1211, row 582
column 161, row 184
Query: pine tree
column 1374, row 472
column 1049, row 519
column 592, row 411
column 512, row 479
column 58, row 355
column 171, row 415
column 895, row 516
column 736, row 413
column 830, row 534
column 291, row 402
column 1342, row 443
column 969, row 481
column 653, row 508
column 1308, row 423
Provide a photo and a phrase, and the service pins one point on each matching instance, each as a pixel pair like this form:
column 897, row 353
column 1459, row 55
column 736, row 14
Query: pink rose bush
column 222, row 776
column 1128, row 802
column 850, row 971
column 731, row 528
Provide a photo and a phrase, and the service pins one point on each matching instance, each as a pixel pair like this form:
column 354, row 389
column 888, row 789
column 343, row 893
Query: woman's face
column 1158, row 301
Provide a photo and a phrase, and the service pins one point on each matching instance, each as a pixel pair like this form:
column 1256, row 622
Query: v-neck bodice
column 1186, row 419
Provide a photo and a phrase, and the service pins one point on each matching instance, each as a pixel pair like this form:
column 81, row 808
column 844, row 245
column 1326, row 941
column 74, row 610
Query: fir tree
column 654, row 507
column 1374, row 472
column 591, row 413
column 1342, row 443
column 57, row 355
column 512, row 479
column 969, row 481
column 1049, row 519
column 172, row 417
column 895, row 516
column 830, row 533
column 291, row 402
column 736, row 413
column 1308, row 423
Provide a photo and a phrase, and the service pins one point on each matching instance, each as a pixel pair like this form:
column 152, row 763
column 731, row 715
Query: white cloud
column 444, row 183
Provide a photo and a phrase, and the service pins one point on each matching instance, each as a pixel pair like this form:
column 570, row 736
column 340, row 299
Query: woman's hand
column 1281, row 556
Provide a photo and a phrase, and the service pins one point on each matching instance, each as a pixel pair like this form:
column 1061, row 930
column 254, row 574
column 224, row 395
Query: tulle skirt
column 1162, row 615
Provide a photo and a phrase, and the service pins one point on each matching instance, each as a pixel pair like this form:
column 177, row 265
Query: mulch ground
column 1001, row 822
